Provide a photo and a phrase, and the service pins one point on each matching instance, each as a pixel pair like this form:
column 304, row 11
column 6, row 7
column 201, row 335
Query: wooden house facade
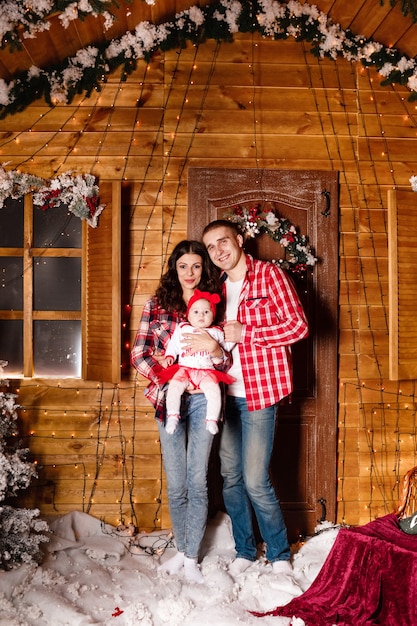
column 258, row 104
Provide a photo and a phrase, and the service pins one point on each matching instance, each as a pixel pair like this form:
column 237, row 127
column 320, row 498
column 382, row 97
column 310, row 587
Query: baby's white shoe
column 171, row 424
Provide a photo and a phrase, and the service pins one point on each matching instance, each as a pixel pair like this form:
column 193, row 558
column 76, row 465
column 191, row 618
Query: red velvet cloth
column 369, row 577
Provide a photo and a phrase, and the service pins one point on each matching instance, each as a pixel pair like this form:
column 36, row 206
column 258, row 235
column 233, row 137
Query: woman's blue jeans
column 245, row 453
column 186, row 456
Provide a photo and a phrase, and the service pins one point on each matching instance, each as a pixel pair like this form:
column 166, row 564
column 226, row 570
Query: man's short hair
column 222, row 224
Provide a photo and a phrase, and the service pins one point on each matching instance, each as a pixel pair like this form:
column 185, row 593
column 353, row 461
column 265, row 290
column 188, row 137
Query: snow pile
column 93, row 573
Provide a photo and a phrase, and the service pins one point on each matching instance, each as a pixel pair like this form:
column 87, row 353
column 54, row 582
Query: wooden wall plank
column 147, row 132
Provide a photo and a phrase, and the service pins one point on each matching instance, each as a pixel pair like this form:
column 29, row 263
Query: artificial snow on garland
column 78, row 193
column 256, row 220
column 31, row 17
column 279, row 20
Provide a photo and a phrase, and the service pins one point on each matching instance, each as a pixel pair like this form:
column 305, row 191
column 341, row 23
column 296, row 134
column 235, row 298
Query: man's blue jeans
column 186, row 455
column 245, row 453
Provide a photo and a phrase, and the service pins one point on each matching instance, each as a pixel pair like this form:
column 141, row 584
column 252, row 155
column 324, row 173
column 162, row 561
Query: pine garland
column 18, row 18
column 408, row 7
column 79, row 193
column 88, row 69
column 23, row 19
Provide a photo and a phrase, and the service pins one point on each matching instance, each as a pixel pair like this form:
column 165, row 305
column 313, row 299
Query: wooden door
column 303, row 466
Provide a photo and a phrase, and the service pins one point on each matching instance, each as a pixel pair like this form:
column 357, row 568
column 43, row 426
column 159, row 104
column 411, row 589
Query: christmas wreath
column 255, row 220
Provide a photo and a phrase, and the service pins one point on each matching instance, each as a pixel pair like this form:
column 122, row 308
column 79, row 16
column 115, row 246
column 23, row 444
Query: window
column 60, row 291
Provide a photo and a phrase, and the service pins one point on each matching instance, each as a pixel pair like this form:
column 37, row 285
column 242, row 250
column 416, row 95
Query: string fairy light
column 107, row 429
column 146, row 177
column 52, row 483
column 390, row 430
column 383, row 439
column 380, row 469
column 18, row 137
column 198, row 116
column 325, row 114
column 107, row 125
column 140, row 543
column 375, row 468
column 140, row 102
column 71, row 146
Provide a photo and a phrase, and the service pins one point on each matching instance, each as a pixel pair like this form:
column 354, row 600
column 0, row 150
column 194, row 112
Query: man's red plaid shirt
column 273, row 319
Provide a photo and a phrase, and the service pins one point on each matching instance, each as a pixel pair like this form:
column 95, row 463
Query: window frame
column 100, row 313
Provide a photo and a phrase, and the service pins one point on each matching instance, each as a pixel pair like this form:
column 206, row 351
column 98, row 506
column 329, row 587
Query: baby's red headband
column 212, row 298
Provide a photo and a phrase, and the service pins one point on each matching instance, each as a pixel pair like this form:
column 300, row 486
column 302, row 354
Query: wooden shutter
column 402, row 267
column 102, row 290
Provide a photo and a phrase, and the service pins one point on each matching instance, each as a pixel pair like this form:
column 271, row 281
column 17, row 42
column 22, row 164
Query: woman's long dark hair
column 169, row 291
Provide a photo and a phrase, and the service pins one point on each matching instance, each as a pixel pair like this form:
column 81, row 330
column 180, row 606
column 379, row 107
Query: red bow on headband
column 212, row 298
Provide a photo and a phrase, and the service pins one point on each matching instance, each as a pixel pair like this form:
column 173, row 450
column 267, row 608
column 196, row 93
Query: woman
column 186, row 451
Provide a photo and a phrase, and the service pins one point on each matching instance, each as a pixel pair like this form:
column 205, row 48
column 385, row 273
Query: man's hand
column 233, row 331
column 201, row 341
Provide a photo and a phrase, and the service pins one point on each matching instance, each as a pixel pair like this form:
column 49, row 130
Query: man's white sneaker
column 282, row 567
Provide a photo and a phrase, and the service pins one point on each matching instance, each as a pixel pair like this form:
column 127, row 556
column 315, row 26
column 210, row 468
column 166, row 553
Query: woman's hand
column 159, row 357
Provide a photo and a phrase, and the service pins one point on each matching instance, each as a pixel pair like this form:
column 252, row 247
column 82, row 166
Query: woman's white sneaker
column 238, row 566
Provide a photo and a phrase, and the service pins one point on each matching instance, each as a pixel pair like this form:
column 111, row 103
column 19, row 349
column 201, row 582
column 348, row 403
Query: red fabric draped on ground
column 369, row 577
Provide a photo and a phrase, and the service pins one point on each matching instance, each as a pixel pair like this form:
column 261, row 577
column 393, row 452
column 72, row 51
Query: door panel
column 303, row 465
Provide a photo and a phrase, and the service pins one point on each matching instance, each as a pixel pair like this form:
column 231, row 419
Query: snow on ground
column 94, row 573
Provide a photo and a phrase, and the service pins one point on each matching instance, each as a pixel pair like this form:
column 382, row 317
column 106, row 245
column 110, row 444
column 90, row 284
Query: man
column 263, row 318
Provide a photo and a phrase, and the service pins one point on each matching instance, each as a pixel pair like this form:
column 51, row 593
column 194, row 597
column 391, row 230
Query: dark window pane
column 11, row 224
column 57, row 348
column 56, row 228
column 11, row 283
column 57, row 284
column 11, row 346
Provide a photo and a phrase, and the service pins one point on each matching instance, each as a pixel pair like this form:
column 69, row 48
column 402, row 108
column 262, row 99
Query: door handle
column 326, row 194
column 322, row 501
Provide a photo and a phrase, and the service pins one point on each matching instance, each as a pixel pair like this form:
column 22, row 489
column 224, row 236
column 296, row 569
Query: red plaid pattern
column 155, row 329
column 273, row 319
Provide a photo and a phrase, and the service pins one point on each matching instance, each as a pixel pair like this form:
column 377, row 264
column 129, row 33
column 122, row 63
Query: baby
column 195, row 369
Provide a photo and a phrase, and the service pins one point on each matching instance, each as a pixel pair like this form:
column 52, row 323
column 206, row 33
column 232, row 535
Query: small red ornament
column 117, row 612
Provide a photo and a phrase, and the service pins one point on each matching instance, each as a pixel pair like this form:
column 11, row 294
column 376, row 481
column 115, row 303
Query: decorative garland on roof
column 88, row 69
column 78, row 193
column 19, row 17
column 408, row 7
column 255, row 220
